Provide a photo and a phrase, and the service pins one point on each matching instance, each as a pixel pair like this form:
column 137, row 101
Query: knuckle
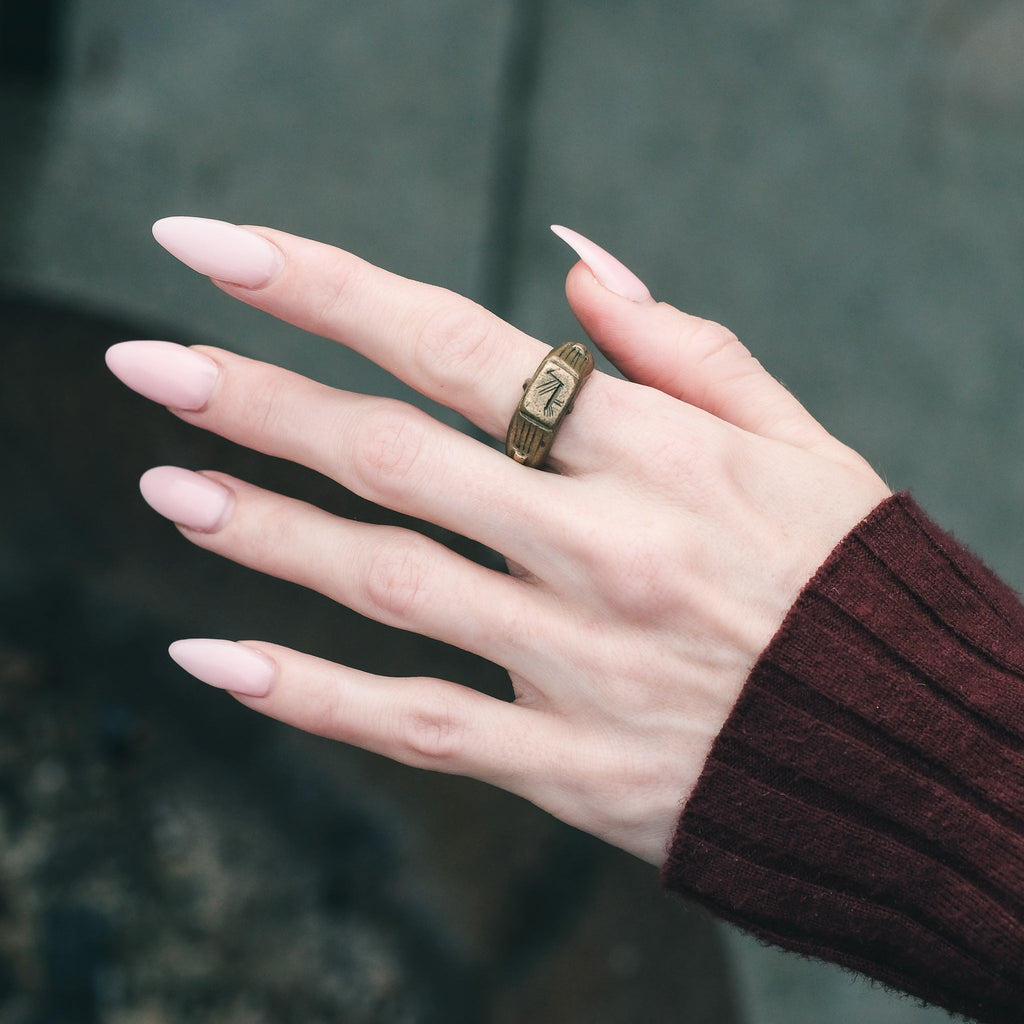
column 452, row 342
column 327, row 301
column 261, row 410
column 396, row 579
column 431, row 734
column 722, row 358
column 388, row 446
column 271, row 541
column 715, row 341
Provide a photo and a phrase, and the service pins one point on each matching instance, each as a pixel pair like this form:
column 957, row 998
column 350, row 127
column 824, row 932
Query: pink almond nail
column 220, row 250
column 186, row 498
column 604, row 266
column 169, row 374
column 226, row 665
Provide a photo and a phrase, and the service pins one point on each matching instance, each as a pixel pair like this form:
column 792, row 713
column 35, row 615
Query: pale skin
column 681, row 513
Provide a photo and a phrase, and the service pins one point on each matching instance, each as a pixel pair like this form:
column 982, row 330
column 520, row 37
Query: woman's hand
column 685, row 508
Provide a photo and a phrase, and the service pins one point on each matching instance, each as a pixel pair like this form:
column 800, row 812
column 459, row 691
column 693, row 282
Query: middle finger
column 387, row 451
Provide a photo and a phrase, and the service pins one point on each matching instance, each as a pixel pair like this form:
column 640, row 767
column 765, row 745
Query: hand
column 685, row 508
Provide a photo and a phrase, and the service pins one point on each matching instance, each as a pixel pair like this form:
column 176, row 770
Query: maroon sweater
column 864, row 803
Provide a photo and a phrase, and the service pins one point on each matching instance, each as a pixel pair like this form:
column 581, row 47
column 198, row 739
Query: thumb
column 697, row 361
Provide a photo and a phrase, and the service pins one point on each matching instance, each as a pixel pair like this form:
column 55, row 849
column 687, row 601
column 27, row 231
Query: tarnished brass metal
column 547, row 399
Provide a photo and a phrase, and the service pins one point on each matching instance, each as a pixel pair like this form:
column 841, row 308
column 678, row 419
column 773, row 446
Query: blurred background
column 839, row 181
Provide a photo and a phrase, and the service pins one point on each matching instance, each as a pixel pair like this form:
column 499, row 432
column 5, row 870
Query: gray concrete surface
column 837, row 180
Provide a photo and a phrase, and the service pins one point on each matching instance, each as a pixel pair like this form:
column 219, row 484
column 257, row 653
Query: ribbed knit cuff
column 863, row 803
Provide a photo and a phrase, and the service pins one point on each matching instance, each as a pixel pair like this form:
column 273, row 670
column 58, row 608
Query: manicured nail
column 226, row 664
column 169, row 374
column 186, row 498
column 220, row 250
column 604, row 266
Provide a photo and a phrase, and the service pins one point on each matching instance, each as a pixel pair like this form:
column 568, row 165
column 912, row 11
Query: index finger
column 447, row 347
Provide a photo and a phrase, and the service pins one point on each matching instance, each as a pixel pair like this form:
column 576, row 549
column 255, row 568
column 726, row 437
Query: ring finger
column 392, row 575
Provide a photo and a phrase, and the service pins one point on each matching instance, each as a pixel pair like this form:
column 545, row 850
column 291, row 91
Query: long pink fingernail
column 220, row 250
column 226, row 664
column 186, row 498
column 169, row 374
column 604, row 266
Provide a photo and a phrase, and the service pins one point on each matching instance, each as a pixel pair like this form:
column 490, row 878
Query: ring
column 547, row 399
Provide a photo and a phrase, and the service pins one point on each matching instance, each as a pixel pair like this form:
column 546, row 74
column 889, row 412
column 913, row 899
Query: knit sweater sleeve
column 864, row 803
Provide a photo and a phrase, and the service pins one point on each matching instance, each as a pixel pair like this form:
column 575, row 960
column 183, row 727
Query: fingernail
column 604, row 266
column 169, row 374
column 226, row 664
column 220, row 250
column 186, row 498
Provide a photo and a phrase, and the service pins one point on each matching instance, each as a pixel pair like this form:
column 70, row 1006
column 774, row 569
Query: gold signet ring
column 547, row 399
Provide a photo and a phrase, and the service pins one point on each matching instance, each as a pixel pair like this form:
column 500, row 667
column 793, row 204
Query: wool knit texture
column 864, row 803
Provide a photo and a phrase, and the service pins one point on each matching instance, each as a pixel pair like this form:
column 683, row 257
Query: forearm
column 864, row 802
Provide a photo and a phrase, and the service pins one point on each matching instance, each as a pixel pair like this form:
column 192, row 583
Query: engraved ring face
column 547, row 394
column 547, row 400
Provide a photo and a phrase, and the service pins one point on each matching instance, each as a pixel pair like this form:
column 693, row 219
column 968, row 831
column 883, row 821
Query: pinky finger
column 422, row 722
